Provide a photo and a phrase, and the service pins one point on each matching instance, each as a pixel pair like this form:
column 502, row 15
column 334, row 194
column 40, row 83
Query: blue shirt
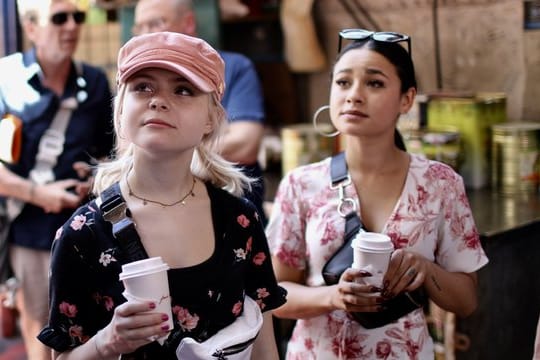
column 243, row 98
column 89, row 134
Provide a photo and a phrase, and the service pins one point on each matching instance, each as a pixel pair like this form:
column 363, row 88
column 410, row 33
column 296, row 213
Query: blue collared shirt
column 89, row 134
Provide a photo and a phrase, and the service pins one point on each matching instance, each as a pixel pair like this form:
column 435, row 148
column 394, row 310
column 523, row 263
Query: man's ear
column 189, row 23
column 31, row 28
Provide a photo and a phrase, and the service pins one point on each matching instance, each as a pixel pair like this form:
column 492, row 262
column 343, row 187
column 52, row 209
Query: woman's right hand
column 353, row 295
column 131, row 327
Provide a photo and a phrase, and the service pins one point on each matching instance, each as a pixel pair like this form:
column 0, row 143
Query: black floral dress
column 85, row 288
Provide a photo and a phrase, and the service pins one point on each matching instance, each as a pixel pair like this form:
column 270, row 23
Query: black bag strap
column 339, row 173
column 338, row 169
column 115, row 211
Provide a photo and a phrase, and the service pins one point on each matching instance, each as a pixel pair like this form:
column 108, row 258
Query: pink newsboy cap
column 185, row 55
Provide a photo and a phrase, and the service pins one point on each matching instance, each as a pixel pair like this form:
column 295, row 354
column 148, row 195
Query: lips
column 157, row 122
column 354, row 113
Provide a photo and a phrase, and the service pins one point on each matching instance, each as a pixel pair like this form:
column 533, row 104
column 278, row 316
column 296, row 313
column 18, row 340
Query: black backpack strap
column 115, row 211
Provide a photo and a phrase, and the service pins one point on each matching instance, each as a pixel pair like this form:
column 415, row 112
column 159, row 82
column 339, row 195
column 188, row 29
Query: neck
column 158, row 190
column 55, row 74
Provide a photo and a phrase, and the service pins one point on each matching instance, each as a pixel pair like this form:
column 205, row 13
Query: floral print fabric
column 85, row 286
column 432, row 217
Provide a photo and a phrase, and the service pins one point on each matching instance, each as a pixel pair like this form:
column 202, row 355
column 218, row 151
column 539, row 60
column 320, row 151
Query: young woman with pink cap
column 183, row 200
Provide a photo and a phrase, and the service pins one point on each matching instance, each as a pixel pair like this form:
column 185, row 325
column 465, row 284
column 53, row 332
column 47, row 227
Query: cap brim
column 193, row 78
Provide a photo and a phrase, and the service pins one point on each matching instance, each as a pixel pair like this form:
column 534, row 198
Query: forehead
column 363, row 59
column 44, row 7
column 153, row 9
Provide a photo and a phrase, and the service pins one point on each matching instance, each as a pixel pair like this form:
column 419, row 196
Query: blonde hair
column 206, row 164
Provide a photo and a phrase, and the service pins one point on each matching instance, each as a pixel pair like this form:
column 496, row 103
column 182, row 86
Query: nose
column 156, row 103
column 355, row 94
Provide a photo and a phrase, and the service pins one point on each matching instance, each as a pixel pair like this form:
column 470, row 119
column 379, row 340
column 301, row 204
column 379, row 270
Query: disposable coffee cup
column 147, row 280
column 371, row 252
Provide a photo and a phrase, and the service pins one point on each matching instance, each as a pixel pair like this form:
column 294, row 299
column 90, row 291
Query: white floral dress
column 432, row 217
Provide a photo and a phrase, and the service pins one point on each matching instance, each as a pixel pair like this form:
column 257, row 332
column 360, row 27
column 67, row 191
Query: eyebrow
column 369, row 71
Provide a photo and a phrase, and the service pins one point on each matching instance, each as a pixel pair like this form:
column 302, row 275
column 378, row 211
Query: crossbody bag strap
column 340, row 179
column 52, row 142
column 50, row 146
column 115, row 210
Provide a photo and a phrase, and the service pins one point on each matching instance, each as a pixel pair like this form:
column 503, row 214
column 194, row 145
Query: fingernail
column 165, row 327
column 152, row 305
column 164, row 317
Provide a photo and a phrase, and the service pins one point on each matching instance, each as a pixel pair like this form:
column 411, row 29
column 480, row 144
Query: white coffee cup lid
column 143, row 267
column 373, row 242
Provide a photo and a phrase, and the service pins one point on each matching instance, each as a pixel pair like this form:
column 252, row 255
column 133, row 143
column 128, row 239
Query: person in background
column 243, row 99
column 50, row 178
column 420, row 204
column 185, row 202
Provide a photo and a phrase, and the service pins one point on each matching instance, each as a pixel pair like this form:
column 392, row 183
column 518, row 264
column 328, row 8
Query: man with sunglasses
column 65, row 108
column 243, row 99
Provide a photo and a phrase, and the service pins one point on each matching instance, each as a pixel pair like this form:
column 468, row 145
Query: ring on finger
column 411, row 272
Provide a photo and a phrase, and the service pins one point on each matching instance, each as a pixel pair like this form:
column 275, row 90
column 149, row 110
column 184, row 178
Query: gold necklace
column 145, row 201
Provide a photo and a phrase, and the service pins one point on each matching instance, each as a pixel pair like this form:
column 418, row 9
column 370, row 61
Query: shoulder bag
column 396, row 307
column 233, row 342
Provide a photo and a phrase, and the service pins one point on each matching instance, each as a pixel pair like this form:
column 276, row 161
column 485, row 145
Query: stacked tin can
column 516, row 158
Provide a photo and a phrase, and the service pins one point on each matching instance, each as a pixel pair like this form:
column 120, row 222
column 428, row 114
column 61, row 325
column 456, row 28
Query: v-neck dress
column 432, row 217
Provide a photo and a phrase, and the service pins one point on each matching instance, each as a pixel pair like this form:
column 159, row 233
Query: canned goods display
column 303, row 145
column 515, row 158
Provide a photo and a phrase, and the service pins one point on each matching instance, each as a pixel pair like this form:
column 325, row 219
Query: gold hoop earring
column 315, row 116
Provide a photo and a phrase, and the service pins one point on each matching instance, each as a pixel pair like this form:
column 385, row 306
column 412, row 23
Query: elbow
column 468, row 309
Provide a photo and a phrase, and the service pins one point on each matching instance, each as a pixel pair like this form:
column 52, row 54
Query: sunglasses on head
column 60, row 18
column 383, row 36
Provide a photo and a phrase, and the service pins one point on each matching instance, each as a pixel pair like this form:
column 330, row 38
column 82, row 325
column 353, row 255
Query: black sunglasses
column 383, row 36
column 60, row 18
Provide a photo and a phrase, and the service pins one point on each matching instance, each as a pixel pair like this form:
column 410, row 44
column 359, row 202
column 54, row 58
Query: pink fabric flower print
column 240, row 254
column 186, row 320
column 249, row 244
column 108, row 302
column 259, row 258
column 243, row 220
column 383, row 350
column 237, row 308
column 78, row 222
column 76, row 331
column 68, row 309
column 106, row 259
column 262, row 293
column 59, row 233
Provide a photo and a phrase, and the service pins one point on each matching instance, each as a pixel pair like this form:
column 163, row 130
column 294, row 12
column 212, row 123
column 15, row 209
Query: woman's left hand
column 406, row 272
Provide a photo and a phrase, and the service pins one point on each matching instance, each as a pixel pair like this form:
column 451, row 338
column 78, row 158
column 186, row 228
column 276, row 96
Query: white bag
column 234, row 342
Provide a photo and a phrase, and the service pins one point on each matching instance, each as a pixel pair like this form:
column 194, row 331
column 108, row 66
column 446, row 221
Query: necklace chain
column 145, row 201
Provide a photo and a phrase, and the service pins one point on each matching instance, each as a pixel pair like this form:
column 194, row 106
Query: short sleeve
column 78, row 307
column 285, row 229
column 459, row 247
column 261, row 283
